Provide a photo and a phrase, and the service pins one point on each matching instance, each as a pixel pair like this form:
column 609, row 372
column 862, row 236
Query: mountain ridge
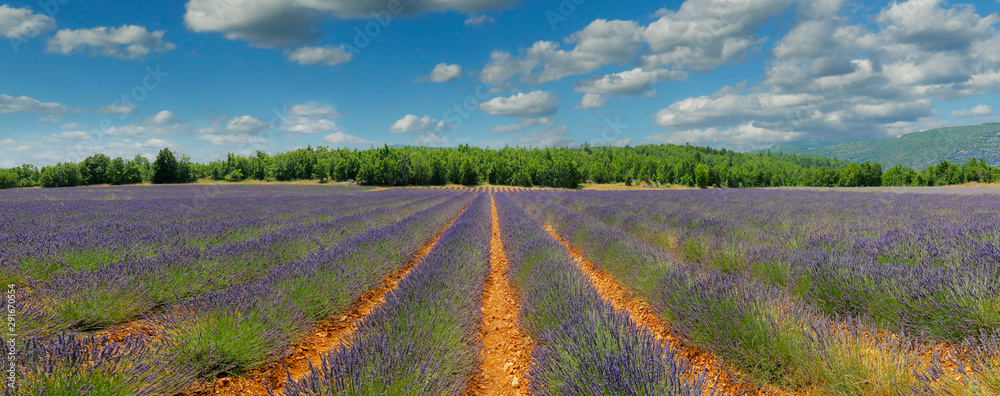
column 915, row 150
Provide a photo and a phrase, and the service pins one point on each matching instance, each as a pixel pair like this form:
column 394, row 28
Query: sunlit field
column 328, row 290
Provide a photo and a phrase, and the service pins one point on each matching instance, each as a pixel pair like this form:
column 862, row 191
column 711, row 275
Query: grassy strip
column 421, row 340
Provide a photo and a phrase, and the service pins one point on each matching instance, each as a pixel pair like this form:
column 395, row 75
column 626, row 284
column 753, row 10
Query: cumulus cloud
column 343, row 139
column 309, row 118
column 327, row 56
column 413, row 125
column 310, row 125
column 246, row 125
column 283, row 23
column 163, row 118
column 592, row 101
column 978, row 111
column 745, row 137
column 120, row 108
column 24, row 104
column 262, row 23
column 22, row 23
column 478, row 20
column 635, row 81
column 51, row 118
column 705, row 34
column 314, row 109
column 126, row 42
column 524, row 105
column 442, row 73
column 831, row 80
column 526, row 123
column 549, row 137
column 601, row 43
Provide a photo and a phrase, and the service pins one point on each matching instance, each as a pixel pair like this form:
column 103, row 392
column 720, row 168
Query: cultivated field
column 331, row 290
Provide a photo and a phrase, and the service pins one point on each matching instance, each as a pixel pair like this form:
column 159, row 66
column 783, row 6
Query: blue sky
column 207, row 77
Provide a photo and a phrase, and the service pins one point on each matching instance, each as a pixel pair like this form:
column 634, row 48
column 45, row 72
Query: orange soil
column 716, row 374
column 325, row 337
column 506, row 353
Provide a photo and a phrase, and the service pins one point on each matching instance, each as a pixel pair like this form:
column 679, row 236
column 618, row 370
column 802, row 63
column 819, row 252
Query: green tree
column 469, row 175
column 8, row 179
column 701, row 176
column 165, row 168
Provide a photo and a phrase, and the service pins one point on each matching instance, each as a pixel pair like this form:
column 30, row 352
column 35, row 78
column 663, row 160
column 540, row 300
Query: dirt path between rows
column 506, row 350
column 325, row 337
column 717, row 376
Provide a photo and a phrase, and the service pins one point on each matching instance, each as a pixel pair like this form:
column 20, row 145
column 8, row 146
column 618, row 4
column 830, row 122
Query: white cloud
column 635, row 81
column 66, row 136
column 22, row 23
column 309, row 118
column 309, row 125
column 831, row 80
column 283, row 23
column 479, row 20
column 126, row 42
column 327, row 56
column 24, row 104
column 601, row 43
column 929, row 26
column 743, row 138
column 263, row 23
column 705, row 34
column 413, row 125
column 526, row 123
column 531, row 105
column 51, row 118
column 314, row 109
column 978, row 111
column 432, row 138
column 231, row 139
column 592, row 101
column 7, row 142
column 121, row 108
column 549, row 137
column 246, row 125
column 343, row 139
column 163, row 118
column 443, row 72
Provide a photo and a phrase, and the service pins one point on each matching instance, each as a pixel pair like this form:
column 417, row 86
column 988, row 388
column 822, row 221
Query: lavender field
column 342, row 290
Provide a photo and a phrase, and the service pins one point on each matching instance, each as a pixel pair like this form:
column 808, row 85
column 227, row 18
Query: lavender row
column 45, row 237
column 769, row 336
column 243, row 327
column 918, row 263
column 123, row 290
column 422, row 340
column 584, row 346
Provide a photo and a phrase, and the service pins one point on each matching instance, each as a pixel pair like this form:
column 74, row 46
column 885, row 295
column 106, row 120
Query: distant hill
column 916, row 150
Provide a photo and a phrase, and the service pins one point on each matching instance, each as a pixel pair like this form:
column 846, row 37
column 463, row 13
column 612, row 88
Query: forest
column 514, row 166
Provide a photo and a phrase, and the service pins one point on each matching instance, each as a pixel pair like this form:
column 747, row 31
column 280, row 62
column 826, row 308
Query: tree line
column 514, row 166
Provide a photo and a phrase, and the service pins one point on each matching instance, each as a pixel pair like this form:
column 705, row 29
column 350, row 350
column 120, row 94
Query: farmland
column 330, row 290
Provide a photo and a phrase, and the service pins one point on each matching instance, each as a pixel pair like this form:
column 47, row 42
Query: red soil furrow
column 325, row 337
column 506, row 351
column 718, row 376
